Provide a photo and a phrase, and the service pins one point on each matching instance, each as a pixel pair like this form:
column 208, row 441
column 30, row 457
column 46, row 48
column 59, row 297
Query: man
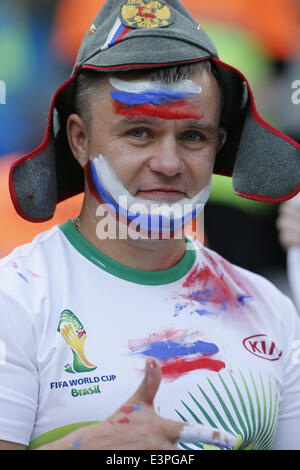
column 86, row 304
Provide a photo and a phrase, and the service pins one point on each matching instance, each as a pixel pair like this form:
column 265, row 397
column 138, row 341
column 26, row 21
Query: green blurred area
column 14, row 52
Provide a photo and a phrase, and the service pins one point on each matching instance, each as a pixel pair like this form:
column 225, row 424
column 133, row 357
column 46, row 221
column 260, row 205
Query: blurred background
column 39, row 40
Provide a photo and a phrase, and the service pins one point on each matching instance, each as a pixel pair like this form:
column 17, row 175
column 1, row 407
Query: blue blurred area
column 31, row 71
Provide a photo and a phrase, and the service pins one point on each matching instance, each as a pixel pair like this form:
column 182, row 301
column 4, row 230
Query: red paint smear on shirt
column 217, row 266
column 173, row 369
column 203, row 279
column 217, row 279
column 220, row 264
column 165, row 335
column 33, row 274
column 179, row 110
column 193, row 278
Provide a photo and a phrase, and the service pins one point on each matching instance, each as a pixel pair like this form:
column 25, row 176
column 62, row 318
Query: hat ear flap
column 70, row 175
column 267, row 166
column 32, row 185
column 234, row 108
column 264, row 162
column 37, row 181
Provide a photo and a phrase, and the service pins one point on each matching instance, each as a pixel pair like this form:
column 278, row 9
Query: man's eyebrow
column 189, row 123
column 201, row 125
column 127, row 121
column 142, row 120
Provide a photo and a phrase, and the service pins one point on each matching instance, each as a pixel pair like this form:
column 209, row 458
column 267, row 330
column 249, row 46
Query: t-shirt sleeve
column 18, row 371
column 288, row 430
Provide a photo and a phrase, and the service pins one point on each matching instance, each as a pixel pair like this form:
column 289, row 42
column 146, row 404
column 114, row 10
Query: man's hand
column 288, row 224
column 136, row 426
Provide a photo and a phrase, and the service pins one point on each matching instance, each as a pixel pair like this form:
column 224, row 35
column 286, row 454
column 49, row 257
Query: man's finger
column 192, row 433
column 207, row 435
column 149, row 386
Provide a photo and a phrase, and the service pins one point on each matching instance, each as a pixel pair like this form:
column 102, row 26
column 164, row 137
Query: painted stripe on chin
column 149, row 224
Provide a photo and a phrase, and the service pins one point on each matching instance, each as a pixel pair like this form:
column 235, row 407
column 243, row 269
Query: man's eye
column 138, row 133
column 193, row 137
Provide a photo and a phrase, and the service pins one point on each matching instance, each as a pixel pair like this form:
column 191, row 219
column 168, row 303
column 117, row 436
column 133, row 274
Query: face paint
column 77, row 443
column 146, row 98
column 207, row 434
column 153, row 216
column 184, row 87
column 123, row 420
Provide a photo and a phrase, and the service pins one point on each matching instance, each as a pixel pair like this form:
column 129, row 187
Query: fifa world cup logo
column 73, row 332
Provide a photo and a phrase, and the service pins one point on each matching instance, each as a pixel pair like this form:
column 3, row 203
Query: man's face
column 157, row 158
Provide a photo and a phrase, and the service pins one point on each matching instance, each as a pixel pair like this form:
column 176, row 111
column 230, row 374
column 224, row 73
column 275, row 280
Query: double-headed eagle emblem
column 145, row 14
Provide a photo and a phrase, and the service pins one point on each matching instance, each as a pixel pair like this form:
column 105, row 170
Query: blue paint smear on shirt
column 178, row 309
column 23, row 277
column 241, row 299
column 204, row 312
column 169, row 349
column 201, row 297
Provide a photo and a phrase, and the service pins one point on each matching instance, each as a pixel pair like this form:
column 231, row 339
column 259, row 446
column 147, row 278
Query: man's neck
column 147, row 255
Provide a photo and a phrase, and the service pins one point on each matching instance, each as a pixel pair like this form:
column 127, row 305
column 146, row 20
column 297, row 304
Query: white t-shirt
column 76, row 328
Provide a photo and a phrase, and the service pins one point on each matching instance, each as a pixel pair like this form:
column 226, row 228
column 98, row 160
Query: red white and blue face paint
column 152, row 217
column 147, row 98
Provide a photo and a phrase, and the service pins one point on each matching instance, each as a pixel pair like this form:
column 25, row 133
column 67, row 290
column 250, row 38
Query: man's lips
column 161, row 193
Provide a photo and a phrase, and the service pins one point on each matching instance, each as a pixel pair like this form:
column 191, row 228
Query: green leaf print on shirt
column 246, row 407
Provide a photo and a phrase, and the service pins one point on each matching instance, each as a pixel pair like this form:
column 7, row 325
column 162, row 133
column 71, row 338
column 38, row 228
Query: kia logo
column 263, row 347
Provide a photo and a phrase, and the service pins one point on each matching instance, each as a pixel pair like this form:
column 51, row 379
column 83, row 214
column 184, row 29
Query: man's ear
column 222, row 137
column 78, row 138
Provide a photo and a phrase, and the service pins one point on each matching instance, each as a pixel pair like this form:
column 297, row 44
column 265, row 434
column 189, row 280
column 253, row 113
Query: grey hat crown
column 182, row 27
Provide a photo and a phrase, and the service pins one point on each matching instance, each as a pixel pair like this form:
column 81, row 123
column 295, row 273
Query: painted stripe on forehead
column 144, row 86
column 146, row 98
column 181, row 109
column 155, row 97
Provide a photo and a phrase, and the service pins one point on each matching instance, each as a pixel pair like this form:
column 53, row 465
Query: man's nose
column 166, row 158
